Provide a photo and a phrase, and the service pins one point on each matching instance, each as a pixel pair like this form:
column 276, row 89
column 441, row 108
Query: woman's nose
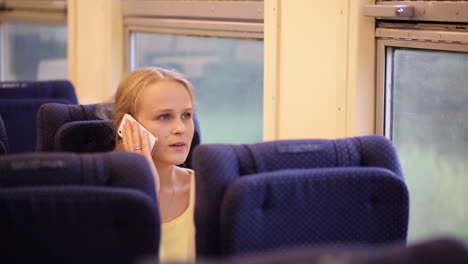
column 178, row 126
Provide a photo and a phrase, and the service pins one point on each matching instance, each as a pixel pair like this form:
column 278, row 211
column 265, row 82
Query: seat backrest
column 79, row 128
column 77, row 208
column 62, row 89
column 77, row 225
column 3, row 138
column 51, row 117
column 19, row 116
column 19, row 102
column 298, row 192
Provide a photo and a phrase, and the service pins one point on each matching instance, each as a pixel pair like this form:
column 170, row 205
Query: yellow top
column 178, row 235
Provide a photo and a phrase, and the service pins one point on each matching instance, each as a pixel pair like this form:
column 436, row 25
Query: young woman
column 162, row 101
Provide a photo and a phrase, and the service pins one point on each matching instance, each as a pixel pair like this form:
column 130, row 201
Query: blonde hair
column 128, row 92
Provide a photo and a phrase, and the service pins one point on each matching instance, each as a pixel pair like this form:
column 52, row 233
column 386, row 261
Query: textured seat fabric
column 286, row 193
column 77, row 225
column 80, row 128
column 19, row 116
column 3, row 138
column 77, row 208
column 38, row 89
column 85, row 136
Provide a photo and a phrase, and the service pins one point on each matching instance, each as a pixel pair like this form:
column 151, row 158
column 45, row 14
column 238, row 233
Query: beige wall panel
column 319, row 69
column 95, row 49
column 271, row 70
column 361, row 73
column 309, row 65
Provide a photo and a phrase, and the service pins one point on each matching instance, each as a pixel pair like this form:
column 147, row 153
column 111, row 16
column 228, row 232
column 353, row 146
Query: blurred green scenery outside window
column 227, row 75
column 429, row 126
column 33, row 52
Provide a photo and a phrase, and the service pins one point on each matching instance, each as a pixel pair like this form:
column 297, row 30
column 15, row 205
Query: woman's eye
column 163, row 117
column 187, row 115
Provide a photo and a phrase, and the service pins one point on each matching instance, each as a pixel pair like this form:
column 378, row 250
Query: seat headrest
column 76, row 112
column 118, row 169
column 51, row 117
column 96, row 136
column 371, row 150
column 39, row 89
column 85, row 136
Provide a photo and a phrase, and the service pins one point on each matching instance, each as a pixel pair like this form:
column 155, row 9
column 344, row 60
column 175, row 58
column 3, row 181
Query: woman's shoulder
column 190, row 172
column 184, row 172
column 185, row 176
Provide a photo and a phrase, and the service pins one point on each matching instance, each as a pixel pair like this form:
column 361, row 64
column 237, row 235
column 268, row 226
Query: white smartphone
column 153, row 140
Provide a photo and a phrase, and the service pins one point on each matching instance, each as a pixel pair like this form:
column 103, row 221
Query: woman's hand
column 137, row 140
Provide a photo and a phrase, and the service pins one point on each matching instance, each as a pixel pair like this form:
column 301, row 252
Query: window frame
column 227, row 19
column 246, row 10
column 34, row 11
column 35, row 4
column 432, row 10
column 46, row 12
column 185, row 28
column 391, row 38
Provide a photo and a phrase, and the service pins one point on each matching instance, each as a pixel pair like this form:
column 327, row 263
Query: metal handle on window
column 388, row 10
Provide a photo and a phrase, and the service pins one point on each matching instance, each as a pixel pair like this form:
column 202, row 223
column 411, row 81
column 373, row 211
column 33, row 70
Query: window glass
column 429, row 126
column 33, row 52
column 227, row 75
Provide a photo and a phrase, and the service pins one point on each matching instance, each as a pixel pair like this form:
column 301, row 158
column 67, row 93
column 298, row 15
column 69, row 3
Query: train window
column 33, row 40
column 422, row 101
column 221, row 53
column 33, row 52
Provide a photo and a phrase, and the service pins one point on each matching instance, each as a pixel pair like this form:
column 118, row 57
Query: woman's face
column 165, row 109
